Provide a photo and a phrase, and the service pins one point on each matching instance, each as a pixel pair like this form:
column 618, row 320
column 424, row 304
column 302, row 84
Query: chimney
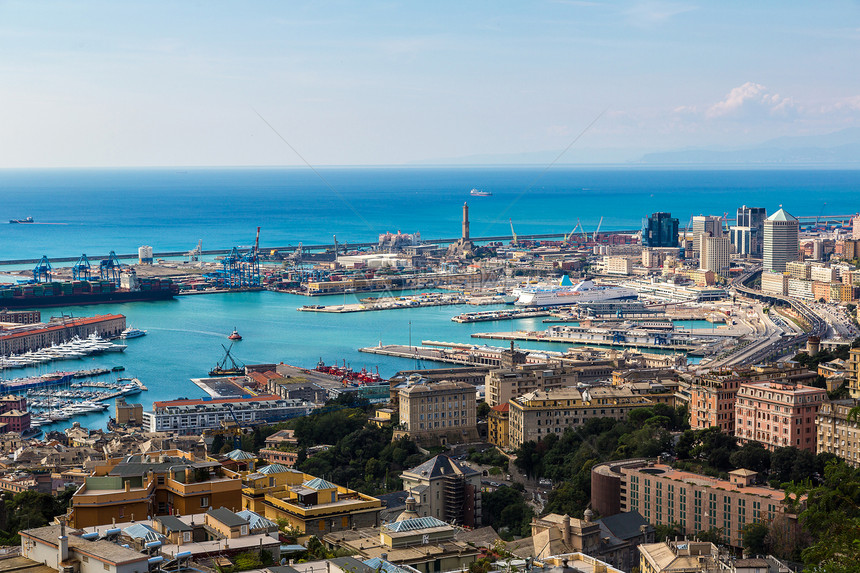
column 565, row 529
column 63, row 545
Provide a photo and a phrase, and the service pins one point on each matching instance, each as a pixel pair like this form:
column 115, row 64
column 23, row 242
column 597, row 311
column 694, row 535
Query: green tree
column 755, row 538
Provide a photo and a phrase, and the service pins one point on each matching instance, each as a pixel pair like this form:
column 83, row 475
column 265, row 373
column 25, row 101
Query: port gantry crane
column 82, row 271
column 42, row 271
column 514, row 241
column 597, row 232
column 109, row 269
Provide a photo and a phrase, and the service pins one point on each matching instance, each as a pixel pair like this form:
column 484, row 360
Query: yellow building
column 854, row 370
column 678, row 557
column 309, row 504
column 128, row 414
column 538, row 414
column 159, row 483
column 497, row 425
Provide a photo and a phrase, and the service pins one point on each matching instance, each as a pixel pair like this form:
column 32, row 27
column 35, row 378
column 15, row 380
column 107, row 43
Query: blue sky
column 106, row 83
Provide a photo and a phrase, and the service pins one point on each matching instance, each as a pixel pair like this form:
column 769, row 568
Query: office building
column 781, row 241
column 752, row 218
column 660, row 230
column 778, row 414
column 715, row 254
column 742, row 240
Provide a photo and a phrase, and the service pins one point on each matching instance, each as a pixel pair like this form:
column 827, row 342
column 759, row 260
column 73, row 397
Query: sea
column 95, row 211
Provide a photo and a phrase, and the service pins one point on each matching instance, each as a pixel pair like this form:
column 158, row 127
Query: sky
column 89, row 83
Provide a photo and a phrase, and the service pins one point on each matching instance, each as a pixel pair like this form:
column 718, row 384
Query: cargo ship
column 41, row 295
column 27, row 220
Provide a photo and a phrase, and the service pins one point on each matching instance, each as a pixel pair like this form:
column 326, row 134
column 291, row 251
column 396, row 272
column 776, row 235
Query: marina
column 409, row 301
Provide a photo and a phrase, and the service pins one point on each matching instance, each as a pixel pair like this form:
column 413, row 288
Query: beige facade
column 716, row 252
column 836, row 435
column 438, row 408
column 506, row 383
column 538, row 414
column 617, row 265
column 774, row 283
column 695, row 502
column 854, row 371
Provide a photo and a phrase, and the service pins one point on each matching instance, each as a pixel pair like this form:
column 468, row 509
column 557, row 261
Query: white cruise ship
column 568, row 293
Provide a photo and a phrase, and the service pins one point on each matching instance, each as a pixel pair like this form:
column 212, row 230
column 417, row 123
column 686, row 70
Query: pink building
column 778, row 414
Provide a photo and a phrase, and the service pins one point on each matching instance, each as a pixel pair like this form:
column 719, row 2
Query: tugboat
column 235, row 335
column 221, row 369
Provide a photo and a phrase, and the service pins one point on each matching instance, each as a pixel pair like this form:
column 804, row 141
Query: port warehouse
column 32, row 337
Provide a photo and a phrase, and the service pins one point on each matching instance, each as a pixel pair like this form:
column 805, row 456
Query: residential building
column 538, row 414
column 159, row 483
column 854, row 372
column 425, row 544
column 781, row 241
column 497, row 425
column 64, row 550
column 505, row 383
column 309, row 504
column 679, row 556
column 660, row 230
column 836, row 434
column 799, row 269
column 128, row 414
column 446, row 490
column 186, row 417
column 715, row 254
column 612, row 539
column 823, row 274
column 778, row 414
column 713, row 394
column 444, row 411
column 695, row 502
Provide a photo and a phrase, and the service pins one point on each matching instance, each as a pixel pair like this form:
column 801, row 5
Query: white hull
column 583, row 293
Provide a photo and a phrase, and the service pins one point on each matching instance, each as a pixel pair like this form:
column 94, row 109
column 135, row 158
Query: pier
column 661, row 341
column 416, row 301
column 489, row 315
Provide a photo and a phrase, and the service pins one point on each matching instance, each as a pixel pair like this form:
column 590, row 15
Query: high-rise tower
column 781, row 241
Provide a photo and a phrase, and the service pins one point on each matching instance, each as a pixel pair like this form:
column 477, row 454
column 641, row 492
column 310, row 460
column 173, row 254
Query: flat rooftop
column 664, row 471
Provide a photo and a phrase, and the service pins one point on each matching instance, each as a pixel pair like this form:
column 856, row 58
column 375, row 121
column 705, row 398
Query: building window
column 204, row 502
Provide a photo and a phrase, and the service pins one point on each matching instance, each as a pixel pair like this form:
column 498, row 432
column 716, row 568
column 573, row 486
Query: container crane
column 581, row 230
column 82, row 269
column 42, row 271
column 257, row 242
column 594, row 237
column 514, row 241
column 109, row 269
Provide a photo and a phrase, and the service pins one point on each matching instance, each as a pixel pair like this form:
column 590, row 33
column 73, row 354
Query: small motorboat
column 235, row 335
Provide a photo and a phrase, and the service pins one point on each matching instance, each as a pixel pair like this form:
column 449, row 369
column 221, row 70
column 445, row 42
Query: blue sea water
column 95, row 211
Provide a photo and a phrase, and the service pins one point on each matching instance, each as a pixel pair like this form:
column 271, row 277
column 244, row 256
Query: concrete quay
column 682, row 345
column 417, row 301
column 504, row 314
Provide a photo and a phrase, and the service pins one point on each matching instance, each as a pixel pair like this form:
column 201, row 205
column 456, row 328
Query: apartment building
column 538, row 414
column 713, row 394
column 854, row 372
column 778, row 414
column 497, row 425
column 695, row 502
column 506, row 383
column 309, row 504
column 158, row 483
column 774, row 283
column 190, row 417
column 439, row 410
column 446, row 490
column 836, row 434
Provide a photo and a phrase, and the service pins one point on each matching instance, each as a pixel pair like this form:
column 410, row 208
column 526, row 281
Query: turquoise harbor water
column 95, row 211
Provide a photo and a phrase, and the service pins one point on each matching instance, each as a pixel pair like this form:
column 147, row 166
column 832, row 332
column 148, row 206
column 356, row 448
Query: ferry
column 478, row 193
column 566, row 293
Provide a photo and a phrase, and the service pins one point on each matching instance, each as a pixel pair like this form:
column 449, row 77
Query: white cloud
column 751, row 99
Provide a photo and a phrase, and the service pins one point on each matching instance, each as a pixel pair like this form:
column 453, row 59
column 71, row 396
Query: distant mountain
column 838, row 148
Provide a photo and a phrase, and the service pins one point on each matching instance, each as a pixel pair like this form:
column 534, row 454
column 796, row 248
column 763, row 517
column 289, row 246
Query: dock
column 490, row 315
column 597, row 339
column 394, row 303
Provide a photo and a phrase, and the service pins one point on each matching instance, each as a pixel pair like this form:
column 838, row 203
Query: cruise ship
column 567, row 293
